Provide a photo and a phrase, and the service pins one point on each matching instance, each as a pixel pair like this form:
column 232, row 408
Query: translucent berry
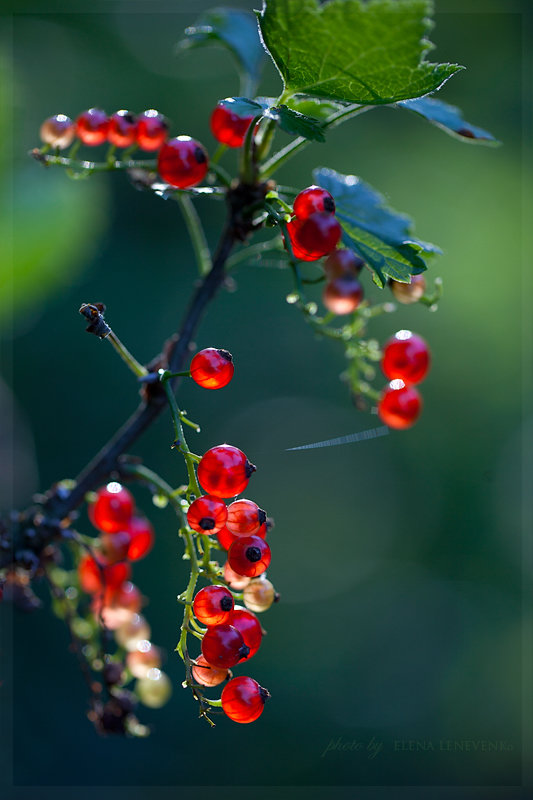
column 92, row 127
column 343, row 262
column 212, row 368
column 113, row 508
column 122, row 128
column 259, row 595
column 154, row 690
column 59, row 131
column 213, row 605
column 235, row 580
column 207, row 514
column 400, row 405
column 315, row 236
column 409, row 292
column 224, row 471
column 406, row 356
column 117, row 605
column 143, row 658
column 207, row 675
column 223, row 646
column 152, row 130
column 142, row 538
column 249, row 555
column 342, row 295
column 228, row 127
column 249, row 626
column 313, row 199
column 226, row 538
column 115, row 546
column 96, row 576
column 245, row 517
column 243, row 699
column 182, row 162
column 133, row 631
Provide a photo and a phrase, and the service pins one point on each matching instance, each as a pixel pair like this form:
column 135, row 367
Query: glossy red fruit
column 243, row 700
column 227, row 127
column 400, row 405
column 249, row 555
column 113, row 508
column 207, row 514
column 315, row 236
column 92, row 127
column 226, row 538
column 59, row 131
column 409, row 292
column 245, row 517
column 152, row 130
column 122, row 128
column 207, row 675
column 406, row 356
column 343, row 295
column 224, row 471
column 223, row 646
column 182, row 162
column 249, row 626
column 213, row 605
column 115, row 545
column 95, row 576
column 117, row 605
column 343, row 262
column 212, row 368
column 142, row 538
column 313, row 199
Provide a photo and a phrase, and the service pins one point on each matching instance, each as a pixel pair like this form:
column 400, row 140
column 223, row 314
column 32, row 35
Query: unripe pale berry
column 155, row 689
column 259, row 595
column 342, row 295
column 409, row 292
column 58, row 131
column 208, row 675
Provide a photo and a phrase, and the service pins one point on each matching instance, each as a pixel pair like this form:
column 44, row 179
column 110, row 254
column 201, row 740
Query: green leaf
column 313, row 107
column 235, row 30
column 297, row 124
column 449, row 118
column 366, row 53
column 380, row 235
column 243, row 106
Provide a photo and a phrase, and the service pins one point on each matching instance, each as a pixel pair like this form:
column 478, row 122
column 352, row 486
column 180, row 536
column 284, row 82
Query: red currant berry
column 226, row 538
column 207, row 515
column 245, row 517
column 243, row 699
column 311, row 200
column 212, row 368
column 142, row 538
column 315, row 236
column 235, row 580
column 117, row 605
column 115, row 545
column 249, row 626
column 92, row 127
column 293, row 229
column 227, row 127
column 224, row 471
column 152, row 130
column 113, row 508
column 343, row 262
column 182, row 162
column 223, row 646
column 59, row 131
column 343, row 295
column 144, row 658
column 213, row 605
column 400, row 405
column 122, row 129
column 207, row 675
column 249, row 555
column 409, row 292
column 97, row 575
column 406, row 356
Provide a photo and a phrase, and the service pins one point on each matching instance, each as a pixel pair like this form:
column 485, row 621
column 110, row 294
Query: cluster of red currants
column 406, row 361
column 94, row 127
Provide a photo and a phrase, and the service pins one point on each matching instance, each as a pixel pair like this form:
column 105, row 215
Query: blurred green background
column 399, row 560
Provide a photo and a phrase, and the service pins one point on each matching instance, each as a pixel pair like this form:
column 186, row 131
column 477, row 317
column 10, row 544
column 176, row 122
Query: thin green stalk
column 253, row 251
column 248, row 171
column 126, row 356
column 196, row 233
column 181, row 441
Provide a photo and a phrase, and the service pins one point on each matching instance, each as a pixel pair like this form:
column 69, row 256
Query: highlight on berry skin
column 122, row 129
column 182, row 162
column 311, row 200
column 151, row 130
column 406, row 356
column 212, row 368
column 92, row 127
column 400, row 405
column 58, row 131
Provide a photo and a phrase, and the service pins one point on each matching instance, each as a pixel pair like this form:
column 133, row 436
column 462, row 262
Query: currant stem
column 196, row 233
column 126, row 356
column 181, row 441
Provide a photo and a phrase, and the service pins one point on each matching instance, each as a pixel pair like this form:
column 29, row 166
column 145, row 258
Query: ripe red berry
column 152, row 130
column 313, row 199
column 113, row 508
column 315, row 236
column 122, row 129
column 142, row 538
column 243, row 699
column 213, row 605
column 343, row 262
column 226, row 538
column 249, row 626
column 406, row 356
column 227, row 126
column 409, row 292
column 97, row 575
column 249, row 555
column 92, row 127
column 59, row 131
column 207, row 514
column 117, row 605
column 343, row 295
column 182, row 162
column 115, row 545
column 207, row 675
column 400, row 405
column 223, row 646
column 212, row 368
column 224, row 471
column 245, row 517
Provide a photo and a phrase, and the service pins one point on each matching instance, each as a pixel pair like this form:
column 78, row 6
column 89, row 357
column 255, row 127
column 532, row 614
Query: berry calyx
column 249, row 555
column 342, row 295
column 213, row 605
column 406, row 356
column 212, row 368
column 182, row 162
column 92, row 127
column 223, row 646
column 152, row 130
column 314, row 236
column 400, row 405
column 243, row 699
column 224, row 471
column 249, row 626
column 142, row 538
column 259, row 594
column 113, row 508
column 244, row 517
column 228, row 127
column 343, row 262
column 59, row 131
column 311, row 200
column 407, row 293
column 122, row 128
column 207, row 514
column 207, row 675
